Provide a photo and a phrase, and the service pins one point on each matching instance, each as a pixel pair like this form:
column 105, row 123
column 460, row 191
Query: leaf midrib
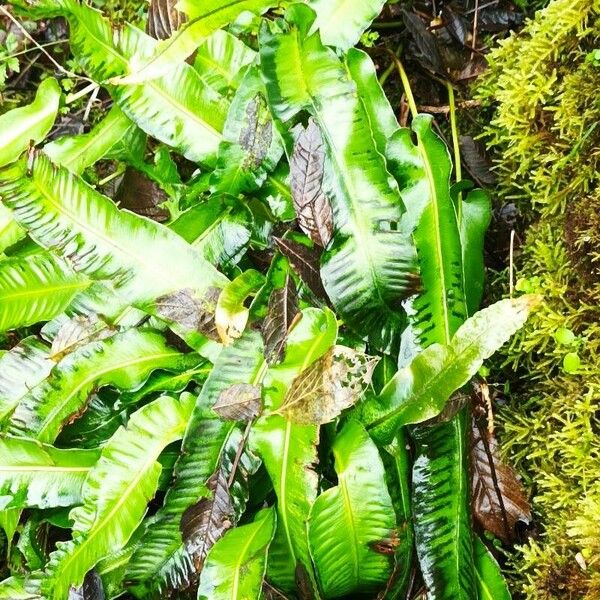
column 97, row 375
column 144, row 470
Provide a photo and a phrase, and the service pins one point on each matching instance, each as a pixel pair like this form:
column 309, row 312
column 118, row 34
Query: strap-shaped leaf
column 441, row 306
column 124, row 360
column 204, row 19
column 289, row 450
column 342, row 22
column 177, row 108
column 31, row 123
column 348, row 521
column 252, row 146
column 205, row 523
column 35, row 288
column 116, row 491
column 220, row 228
column 236, row 565
column 440, row 495
column 490, row 582
column 419, row 391
column 37, row 475
column 61, row 212
column 160, row 561
column 21, row 369
column 397, row 461
column 80, row 151
column 367, row 267
column 476, row 218
column 219, row 60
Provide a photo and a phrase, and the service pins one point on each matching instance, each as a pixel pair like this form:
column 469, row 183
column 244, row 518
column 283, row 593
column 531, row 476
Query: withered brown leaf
column 306, row 262
column 283, row 308
column 498, row 498
column 333, row 383
column 164, row 19
column 188, row 311
column 239, row 402
column 206, row 521
column 307, row 164
column 77, row 331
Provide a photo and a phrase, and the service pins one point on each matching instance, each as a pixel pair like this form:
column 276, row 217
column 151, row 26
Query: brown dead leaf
column 313, row 209
column 330, row 385
column 185, row 309
column 306, row 263
column 164, row 18
column 283, row 308
column 239, row 402
column 497, row 496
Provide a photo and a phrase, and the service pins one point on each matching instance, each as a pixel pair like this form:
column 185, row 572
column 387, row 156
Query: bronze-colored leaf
column 333, row 383
column 312, row 206
column 164, row 19
column 141, row 195
column 283, row 308
column 497, row 496
column 206, row 521
column 78, row 331
column 306, row 262
column 239, row 402
column 183, row 308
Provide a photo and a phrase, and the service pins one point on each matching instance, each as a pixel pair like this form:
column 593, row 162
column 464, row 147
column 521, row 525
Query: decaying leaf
column 205, row 522
column 141, row 195
column 312, row 206
column 239, row 402
column 283, row 308
column 387, row 545
column 476, row 161
column 164, row 18
column 333, row 383
column 303, row 583
column 498, row 498
column 305, row 261
column 78, row 331
column 183, row 308
column 256, row 137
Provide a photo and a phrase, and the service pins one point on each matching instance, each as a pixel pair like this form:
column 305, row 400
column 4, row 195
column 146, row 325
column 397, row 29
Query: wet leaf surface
column 498, row 498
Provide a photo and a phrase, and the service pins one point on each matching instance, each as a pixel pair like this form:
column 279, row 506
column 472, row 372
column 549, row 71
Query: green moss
column 545, row 135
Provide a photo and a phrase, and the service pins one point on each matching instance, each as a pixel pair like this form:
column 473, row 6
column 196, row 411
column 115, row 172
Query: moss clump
column 545, row 135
